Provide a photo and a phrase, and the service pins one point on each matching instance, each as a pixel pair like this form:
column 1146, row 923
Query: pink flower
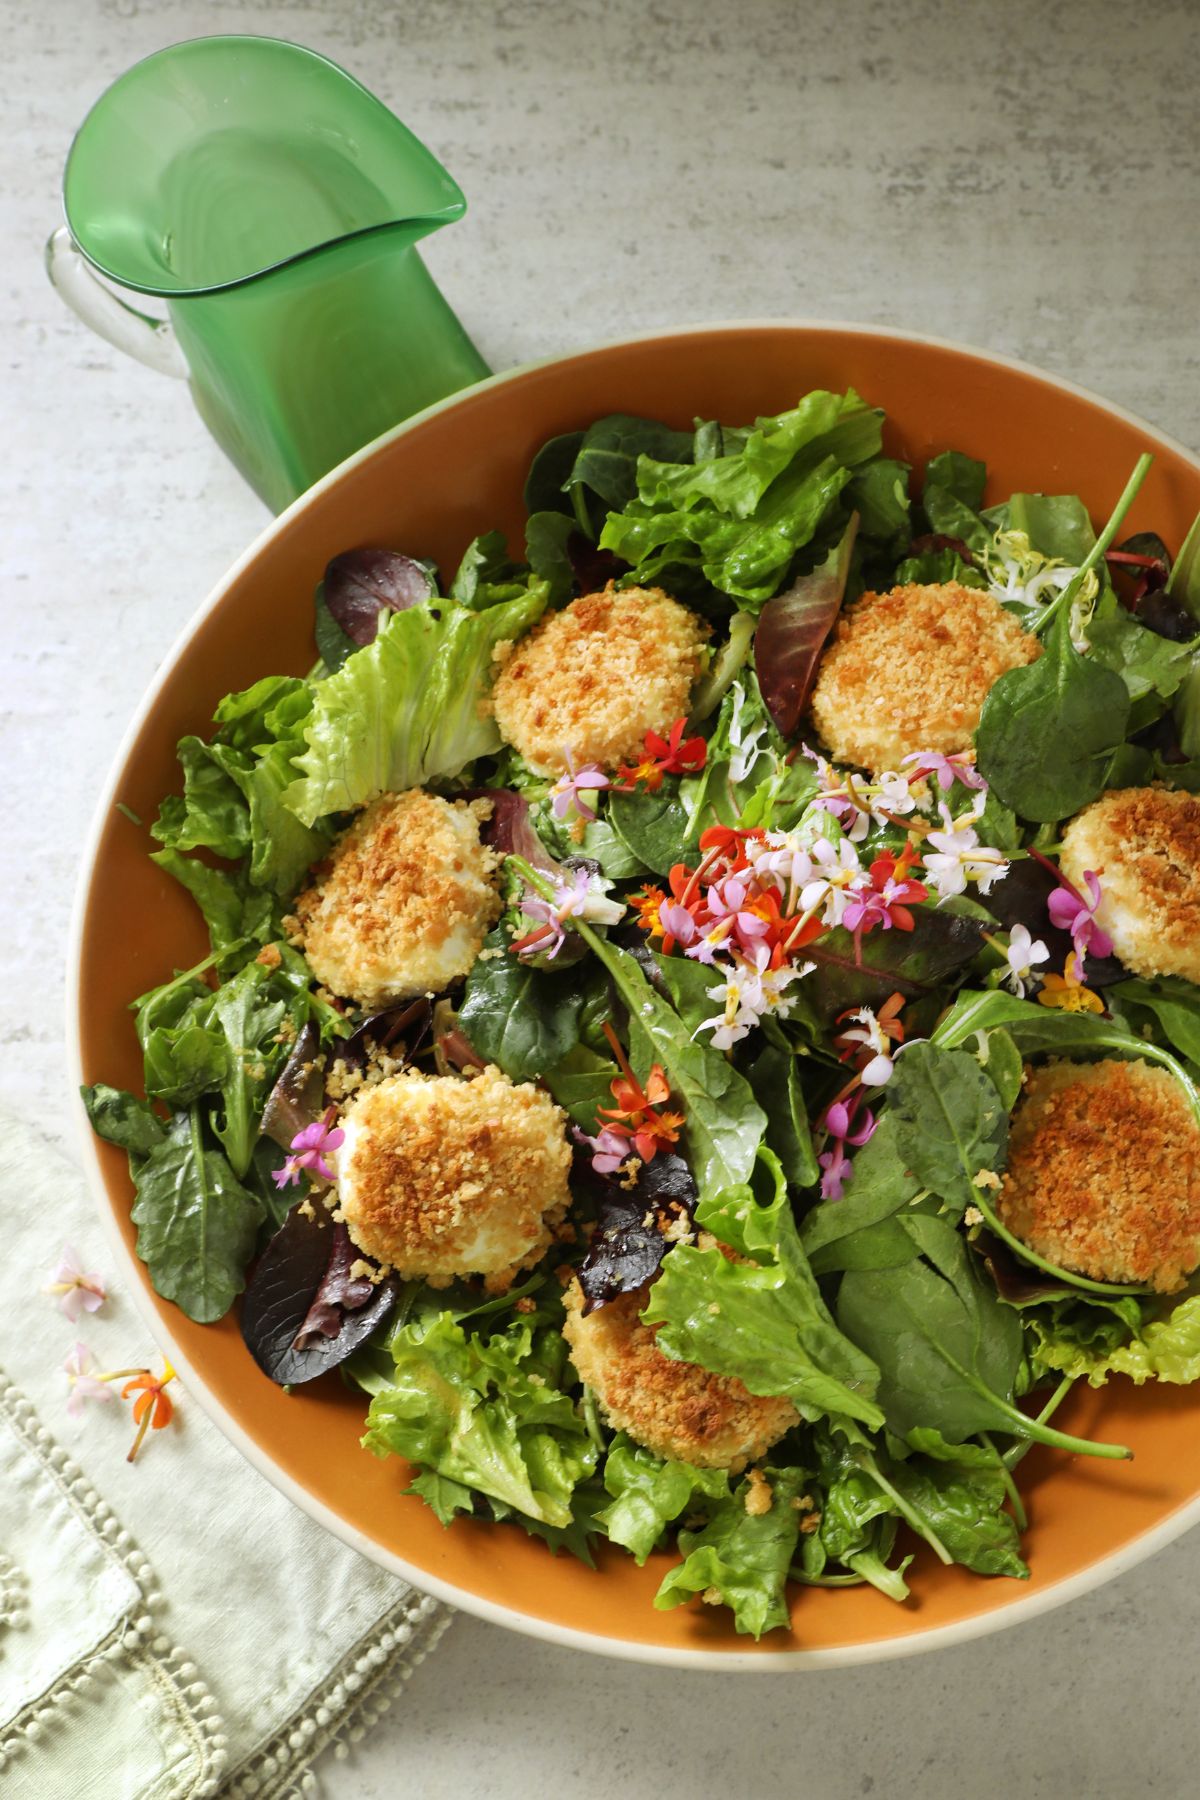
column 839, row 1123
column 1069, row 911
column 612, row 1149
column 678, row 923
column 948, row 769
column 77, row 1292
column 727, row 900
column 567, row 793
column 309, row 1148
column 85, row 1384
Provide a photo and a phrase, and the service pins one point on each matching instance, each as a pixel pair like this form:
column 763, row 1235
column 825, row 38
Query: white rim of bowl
column 940, row 1637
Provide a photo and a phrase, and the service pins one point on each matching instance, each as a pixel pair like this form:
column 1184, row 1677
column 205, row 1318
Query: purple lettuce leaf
column 359, row 583
column 302, row 1313
column 791, row 634
column 625, row 1251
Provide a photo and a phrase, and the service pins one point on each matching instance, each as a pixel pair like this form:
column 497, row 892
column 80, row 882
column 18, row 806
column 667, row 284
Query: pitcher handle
column 152, row 341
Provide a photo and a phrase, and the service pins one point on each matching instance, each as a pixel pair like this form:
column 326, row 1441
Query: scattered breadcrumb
column 972, row 1216
column 401, row 904
column 759, row 1494
column 595, row 676
column 526, row 1304
column 910, row 669
column 674, row 1408
column 1104, row 1172
column 986, row 1178
column 441, row 1177
column 269, row 956
column 1145, row 845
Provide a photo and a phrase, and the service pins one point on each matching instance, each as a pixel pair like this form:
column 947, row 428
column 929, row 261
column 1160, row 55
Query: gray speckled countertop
column 1026, row 177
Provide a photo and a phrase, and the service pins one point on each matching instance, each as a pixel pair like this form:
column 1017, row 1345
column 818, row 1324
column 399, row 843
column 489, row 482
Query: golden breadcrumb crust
column 674, row 1408
column 596, row 676
column 1104, row 1172
column 440, row 1177
column 403, row 901
column 910, row 670
column 1144, row 843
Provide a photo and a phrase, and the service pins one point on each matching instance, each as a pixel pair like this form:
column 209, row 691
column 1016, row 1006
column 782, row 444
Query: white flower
column 836, row 869
column 959, row 857
column 1023, row 952
column 783, row 858
column 751, row 990
column 892, row 794
column 871, row 1036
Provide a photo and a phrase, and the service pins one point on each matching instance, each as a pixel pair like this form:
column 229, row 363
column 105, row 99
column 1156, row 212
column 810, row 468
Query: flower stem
column 1096, row 553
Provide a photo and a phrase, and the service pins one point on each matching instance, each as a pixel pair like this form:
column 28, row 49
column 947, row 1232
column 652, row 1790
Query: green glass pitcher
column 274, row 205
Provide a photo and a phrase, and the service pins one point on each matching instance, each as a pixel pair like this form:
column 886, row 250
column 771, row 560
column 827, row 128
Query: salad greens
column 788, row 1010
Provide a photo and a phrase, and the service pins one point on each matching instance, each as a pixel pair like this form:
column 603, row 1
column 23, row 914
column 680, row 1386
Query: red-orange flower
column 635, row 1115
column 153, row 1406
column 672, row 755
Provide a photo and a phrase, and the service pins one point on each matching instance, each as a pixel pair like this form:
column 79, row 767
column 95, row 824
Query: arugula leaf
column 1172, row 1003
column 446, row 1497
column 196, row 1223
column 250, row 1018
column 257, row 748
column 212, row 814
column 1048, row 729
column 763, row 1321
column 183, row 1055
column 525, row 1020
column 949, row 1121
column 647, row 1494
column 725, row 1124
column 406, row 709
column 233, row 912
column 123, row 1119
column 744, row 1557
column 487, row 1413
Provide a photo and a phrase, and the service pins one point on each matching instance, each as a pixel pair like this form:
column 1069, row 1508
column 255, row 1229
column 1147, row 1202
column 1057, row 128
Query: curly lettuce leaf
column 486, row 1413
column 742, row 1558
column 1165, row 1350
column 648, row 1494
column 408, row 708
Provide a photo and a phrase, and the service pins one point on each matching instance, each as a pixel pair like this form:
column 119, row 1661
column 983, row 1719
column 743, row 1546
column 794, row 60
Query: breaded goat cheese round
column 1144, row 843
column 910, row 670
column 676, row 1409
column 1104, row 1172
column 403, row 901
column 439, row 1176
column 596, row 676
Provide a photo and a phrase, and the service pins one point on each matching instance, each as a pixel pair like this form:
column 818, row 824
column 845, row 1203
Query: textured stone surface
column 1026, row 177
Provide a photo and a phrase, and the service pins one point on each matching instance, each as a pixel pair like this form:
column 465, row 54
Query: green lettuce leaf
column 409, row 707
column 1164, row 1350
column 485, row 1412
column 648, row 1494
column 763, row 1321
column 742, row 1557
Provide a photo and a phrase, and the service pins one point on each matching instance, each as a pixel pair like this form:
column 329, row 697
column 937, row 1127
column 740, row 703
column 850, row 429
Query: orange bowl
column 428, row 487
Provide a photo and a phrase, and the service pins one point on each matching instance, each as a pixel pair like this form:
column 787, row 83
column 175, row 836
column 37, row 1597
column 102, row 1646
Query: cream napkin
column 174, row 1627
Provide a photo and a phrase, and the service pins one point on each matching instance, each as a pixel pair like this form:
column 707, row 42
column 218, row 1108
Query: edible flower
column 567, row 794
column 835, row 868
column 153, row 1406
column 573, row 896
column 887, row 899
column 958, row 856
column 636, row 1117
column 672, row 755
column 1070, row 911
column 308, row 1150
column 839, row 1122
column 1022, row 953
column 1067, row 992
column 77, row 1291
column 958, row 766
column 85, row 1383
column 868, row 1042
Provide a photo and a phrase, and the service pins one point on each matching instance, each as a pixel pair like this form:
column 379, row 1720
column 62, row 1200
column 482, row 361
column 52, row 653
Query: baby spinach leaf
column 725, row 1124
column 1048, row 729
column 881, row 1187
column 647, row 1494
column 878, row 493
column 545, row 484
column 547, row 535
column 196, row 1223
column 653, row 827
column 581, row 1083
column 1146, row 662
column 607, row 461
column 774, row 1076
column 949, row 1121
column 1059, row 525
column 1171, row 1003
column 1004, row 1067
column 957, row 474
column 123, row 1119
column 962, row 1504
column 744, row 1557
column 950, row 516
column 525, row 1020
